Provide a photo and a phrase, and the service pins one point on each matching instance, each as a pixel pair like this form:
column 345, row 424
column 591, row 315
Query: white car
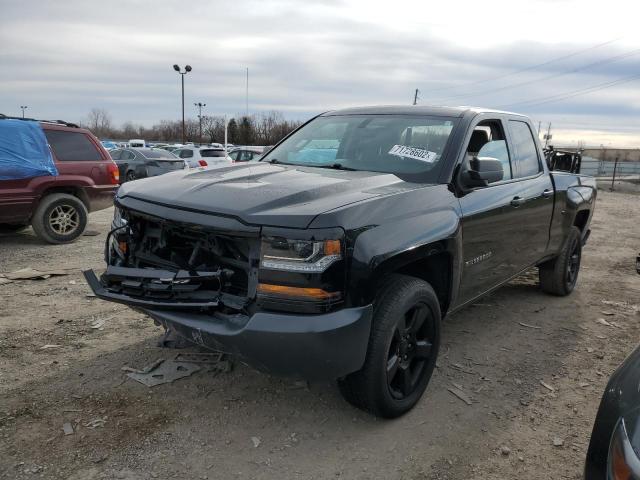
column 203, row 156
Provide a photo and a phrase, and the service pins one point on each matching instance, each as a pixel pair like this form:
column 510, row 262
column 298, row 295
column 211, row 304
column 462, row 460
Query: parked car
column 246, row 154
column 57, row 206
column 614, row 449
column 337, row 255
column 137, row 143
column 108, row 144
column 203, row 156
column 137, row 163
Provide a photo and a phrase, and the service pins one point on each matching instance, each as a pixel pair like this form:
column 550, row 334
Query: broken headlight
column 118, row 244
column 305, row 256
column 624, row 462
column 118, row 220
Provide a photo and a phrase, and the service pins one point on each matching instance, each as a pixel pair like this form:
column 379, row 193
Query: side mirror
column 482, row 171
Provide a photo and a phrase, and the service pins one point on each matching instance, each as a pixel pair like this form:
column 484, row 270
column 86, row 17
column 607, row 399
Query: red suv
column 57, row 206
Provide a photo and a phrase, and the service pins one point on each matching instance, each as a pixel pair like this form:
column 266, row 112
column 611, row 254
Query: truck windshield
column 398, row 144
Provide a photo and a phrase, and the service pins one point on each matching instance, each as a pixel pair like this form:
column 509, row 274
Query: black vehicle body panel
column 465, row 242
column 621, row 397
column 321, row 347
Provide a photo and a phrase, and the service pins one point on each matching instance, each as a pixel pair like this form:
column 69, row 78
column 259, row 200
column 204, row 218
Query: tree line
column 261, row 129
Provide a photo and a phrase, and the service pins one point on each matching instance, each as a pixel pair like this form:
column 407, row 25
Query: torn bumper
column 314, row 347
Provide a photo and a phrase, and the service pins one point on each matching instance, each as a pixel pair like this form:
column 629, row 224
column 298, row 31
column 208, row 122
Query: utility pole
column 200, row 105
column 415, row 97
column 539, row 126
column 225, row 133
column 547, row 137
column 247, row 94
column 23, row 107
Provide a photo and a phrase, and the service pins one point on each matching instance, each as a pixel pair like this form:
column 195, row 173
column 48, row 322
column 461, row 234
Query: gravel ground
column 533, row 366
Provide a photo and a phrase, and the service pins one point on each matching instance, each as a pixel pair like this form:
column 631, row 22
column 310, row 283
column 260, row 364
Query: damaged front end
column 159, row 263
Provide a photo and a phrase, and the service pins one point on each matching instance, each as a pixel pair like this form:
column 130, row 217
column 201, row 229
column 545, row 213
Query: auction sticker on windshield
column 413, row 152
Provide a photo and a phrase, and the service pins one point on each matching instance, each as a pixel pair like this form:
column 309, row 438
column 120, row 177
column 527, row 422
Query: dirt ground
column 245, row 424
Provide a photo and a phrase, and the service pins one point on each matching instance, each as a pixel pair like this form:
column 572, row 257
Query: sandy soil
column 498, row 351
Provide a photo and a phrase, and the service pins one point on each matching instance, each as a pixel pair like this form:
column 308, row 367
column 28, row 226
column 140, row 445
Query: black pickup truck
column 337, row 255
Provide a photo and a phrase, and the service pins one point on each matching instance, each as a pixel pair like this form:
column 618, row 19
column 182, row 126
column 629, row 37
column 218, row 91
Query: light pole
column 23, row 107
column 187, row 69
column 200, row 105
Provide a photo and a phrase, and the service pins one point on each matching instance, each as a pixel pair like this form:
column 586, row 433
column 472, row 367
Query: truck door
column 490, row 229
column 534, row 207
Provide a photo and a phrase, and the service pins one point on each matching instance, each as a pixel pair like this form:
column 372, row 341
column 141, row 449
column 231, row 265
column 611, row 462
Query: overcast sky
column 62, row 58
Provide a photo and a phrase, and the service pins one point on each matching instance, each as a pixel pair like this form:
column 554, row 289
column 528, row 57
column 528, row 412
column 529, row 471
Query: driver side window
column 488, row 141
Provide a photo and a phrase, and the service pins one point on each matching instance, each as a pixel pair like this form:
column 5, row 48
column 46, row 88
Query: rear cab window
column 526, row 152
column 72, row 146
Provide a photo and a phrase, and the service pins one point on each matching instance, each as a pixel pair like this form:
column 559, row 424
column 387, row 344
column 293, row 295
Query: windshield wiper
column 335, row 166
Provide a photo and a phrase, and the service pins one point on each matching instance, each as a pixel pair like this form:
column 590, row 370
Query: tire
column 559, row 275
column 60, row 218
column 397, row 370
column 131, row 176
column 11, row 227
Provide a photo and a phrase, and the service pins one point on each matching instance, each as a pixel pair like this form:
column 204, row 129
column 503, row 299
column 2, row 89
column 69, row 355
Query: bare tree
column 99, row 122
column 264, row 129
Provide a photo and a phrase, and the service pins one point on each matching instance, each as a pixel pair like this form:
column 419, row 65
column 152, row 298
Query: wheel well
column 435, row 270
column 581, row 219
column 76, row 192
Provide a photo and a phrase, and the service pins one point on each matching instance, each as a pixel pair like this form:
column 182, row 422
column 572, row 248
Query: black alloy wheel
column 409, row 351
column 402, row 350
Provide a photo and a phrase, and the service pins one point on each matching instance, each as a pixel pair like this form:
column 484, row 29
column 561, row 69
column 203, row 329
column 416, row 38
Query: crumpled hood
column 263, row 194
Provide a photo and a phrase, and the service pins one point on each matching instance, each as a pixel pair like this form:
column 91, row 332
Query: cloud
column 64, row 58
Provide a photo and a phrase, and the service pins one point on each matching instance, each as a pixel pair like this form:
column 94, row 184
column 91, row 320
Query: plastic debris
column 529, row 326
column 96, row 422
column 32, row 274
column 67, row 428
column 460, row 394
column 547, row 386
column 165, row 372
column 602, row 321
column 256, row 442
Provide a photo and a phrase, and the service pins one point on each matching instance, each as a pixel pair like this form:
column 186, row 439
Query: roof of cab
column 413, row 110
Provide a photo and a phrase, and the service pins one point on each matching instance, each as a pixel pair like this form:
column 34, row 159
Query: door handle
column 547, row 193
column 517, row 201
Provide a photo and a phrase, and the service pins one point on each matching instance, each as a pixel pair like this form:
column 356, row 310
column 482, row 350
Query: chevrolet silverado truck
column 337, row 255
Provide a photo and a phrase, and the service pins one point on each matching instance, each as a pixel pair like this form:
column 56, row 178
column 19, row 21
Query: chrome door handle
column 517, row 201
column 547, row 193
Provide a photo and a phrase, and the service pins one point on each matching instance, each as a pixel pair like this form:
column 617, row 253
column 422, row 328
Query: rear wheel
column 60, row 218
column 559, row 276
column 403, row 346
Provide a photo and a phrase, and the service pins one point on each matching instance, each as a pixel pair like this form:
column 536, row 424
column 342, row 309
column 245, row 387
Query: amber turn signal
column 332, row 247
column 297, row 292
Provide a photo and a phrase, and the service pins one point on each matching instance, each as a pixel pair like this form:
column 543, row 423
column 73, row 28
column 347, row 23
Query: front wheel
column 559, row 276
column 403, row 346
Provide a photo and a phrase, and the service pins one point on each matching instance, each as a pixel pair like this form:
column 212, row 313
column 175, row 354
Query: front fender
column 383, row 249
